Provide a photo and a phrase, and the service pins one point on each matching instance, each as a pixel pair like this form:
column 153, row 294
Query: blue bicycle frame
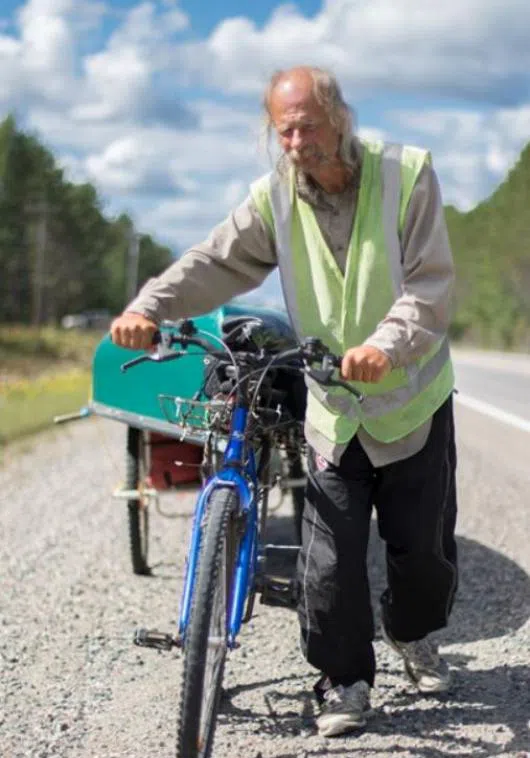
column 239, row 472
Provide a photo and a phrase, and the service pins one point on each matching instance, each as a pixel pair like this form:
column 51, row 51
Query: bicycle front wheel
column 205, row 644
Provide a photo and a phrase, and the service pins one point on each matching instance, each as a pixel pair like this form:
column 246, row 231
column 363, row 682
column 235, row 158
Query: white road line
column 493, row 411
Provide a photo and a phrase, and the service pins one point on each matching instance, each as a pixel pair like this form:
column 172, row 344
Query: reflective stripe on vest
column 378, row 405
column 419, row 377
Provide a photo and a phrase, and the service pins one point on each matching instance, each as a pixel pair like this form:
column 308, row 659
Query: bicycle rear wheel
column 205, row 644
column 138, row 514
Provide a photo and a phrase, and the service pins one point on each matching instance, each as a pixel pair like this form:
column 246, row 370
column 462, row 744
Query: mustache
column 310, row 151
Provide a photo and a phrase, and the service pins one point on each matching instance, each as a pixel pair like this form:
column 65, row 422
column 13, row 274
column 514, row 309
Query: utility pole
column 39, row 210
column 133, row 255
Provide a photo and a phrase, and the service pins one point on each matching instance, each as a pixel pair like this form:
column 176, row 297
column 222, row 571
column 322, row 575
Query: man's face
column 304, row 131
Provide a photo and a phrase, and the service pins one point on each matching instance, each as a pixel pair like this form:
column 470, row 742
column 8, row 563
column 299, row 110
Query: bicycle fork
column 244, row 565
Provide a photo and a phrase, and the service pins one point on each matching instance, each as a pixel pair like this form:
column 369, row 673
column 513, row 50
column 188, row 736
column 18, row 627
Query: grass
column 29, row 405
column 44, row 373
column 28, row 352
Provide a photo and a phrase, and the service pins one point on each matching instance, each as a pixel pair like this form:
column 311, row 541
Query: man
column 358, row 232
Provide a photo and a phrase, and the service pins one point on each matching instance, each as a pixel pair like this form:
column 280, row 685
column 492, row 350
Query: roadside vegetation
column 44, row 372
column 59, row 255
column 491, row 247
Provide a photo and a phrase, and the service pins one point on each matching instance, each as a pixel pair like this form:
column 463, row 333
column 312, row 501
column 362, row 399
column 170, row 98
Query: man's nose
column 296, row 139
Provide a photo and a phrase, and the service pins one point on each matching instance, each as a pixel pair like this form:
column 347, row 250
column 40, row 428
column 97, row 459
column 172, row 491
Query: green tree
column 58, row 252
column 491, row 246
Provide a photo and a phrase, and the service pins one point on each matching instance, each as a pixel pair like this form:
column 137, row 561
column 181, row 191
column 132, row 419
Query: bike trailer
column 144, row 397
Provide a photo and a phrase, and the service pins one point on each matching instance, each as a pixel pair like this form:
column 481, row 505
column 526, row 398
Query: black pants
column 415, row 500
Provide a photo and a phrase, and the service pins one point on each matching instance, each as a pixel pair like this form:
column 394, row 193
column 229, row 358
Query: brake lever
column 134, row 362
column 164, row 352
column 325, row 377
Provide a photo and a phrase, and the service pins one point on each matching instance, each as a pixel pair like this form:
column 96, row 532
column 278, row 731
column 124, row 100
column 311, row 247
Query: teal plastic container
column 134, row 397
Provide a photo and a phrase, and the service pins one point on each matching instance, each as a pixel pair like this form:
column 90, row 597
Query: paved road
column 499, row 380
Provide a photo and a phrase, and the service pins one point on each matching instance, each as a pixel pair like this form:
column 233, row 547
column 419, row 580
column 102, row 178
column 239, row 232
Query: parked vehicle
column 92, row 319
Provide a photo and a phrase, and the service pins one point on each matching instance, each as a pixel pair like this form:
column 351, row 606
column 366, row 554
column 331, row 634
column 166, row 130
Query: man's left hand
column 365, row 364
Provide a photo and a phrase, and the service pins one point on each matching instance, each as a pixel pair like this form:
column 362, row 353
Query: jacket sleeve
column 236, row 258
column 421, row 315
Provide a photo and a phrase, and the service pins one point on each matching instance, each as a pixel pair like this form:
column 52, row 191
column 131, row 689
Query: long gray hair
column 328, row 94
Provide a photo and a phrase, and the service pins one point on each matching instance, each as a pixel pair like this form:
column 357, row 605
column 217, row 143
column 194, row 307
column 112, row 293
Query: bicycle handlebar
column 311, row 351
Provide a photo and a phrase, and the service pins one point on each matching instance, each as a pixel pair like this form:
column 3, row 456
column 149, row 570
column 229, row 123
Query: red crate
column 172, row 463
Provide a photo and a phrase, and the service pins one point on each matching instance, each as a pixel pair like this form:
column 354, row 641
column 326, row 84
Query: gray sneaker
column 344, row 709
column 423, row 665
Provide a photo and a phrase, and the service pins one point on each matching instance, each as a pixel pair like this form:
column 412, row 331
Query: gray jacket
column 240, row 252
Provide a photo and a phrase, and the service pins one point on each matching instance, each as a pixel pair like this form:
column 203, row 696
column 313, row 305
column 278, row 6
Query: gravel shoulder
column 73, row 685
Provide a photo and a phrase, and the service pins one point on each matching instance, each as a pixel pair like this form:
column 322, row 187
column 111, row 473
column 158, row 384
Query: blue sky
column 158, row 103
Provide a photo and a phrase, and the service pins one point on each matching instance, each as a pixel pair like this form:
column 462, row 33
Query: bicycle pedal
column 279, row 592
column 155, row 639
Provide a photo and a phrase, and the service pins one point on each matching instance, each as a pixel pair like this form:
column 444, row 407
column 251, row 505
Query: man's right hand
column 133, row 330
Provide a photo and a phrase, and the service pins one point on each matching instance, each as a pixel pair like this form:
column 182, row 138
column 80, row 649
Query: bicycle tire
column 138, row 514
column 196, row 728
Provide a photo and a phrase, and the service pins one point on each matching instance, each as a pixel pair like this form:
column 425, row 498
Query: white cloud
column 115, row 81
column 514, row 122
column 46, row 46
column 63, row 130
column 472, row 151
column 162, row 162
column 477, row 48
column 37, row 63
column 9, row 79
column 122, row 117
column 373, row 133
column 41, row 61
column 220, row 117
column 123, row 166
column 125, row 161
column 175, row 20
column 188, row 220
column 442, row 123
column 499, row 160
column 118, row 80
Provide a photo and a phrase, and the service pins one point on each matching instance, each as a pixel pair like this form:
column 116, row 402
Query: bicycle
column 227, row 558
column 160, row 458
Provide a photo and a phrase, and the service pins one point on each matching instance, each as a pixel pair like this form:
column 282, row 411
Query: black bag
column 252, row 334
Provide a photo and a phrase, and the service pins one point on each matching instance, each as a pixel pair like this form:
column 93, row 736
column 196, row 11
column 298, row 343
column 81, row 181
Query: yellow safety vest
column 344, row 310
